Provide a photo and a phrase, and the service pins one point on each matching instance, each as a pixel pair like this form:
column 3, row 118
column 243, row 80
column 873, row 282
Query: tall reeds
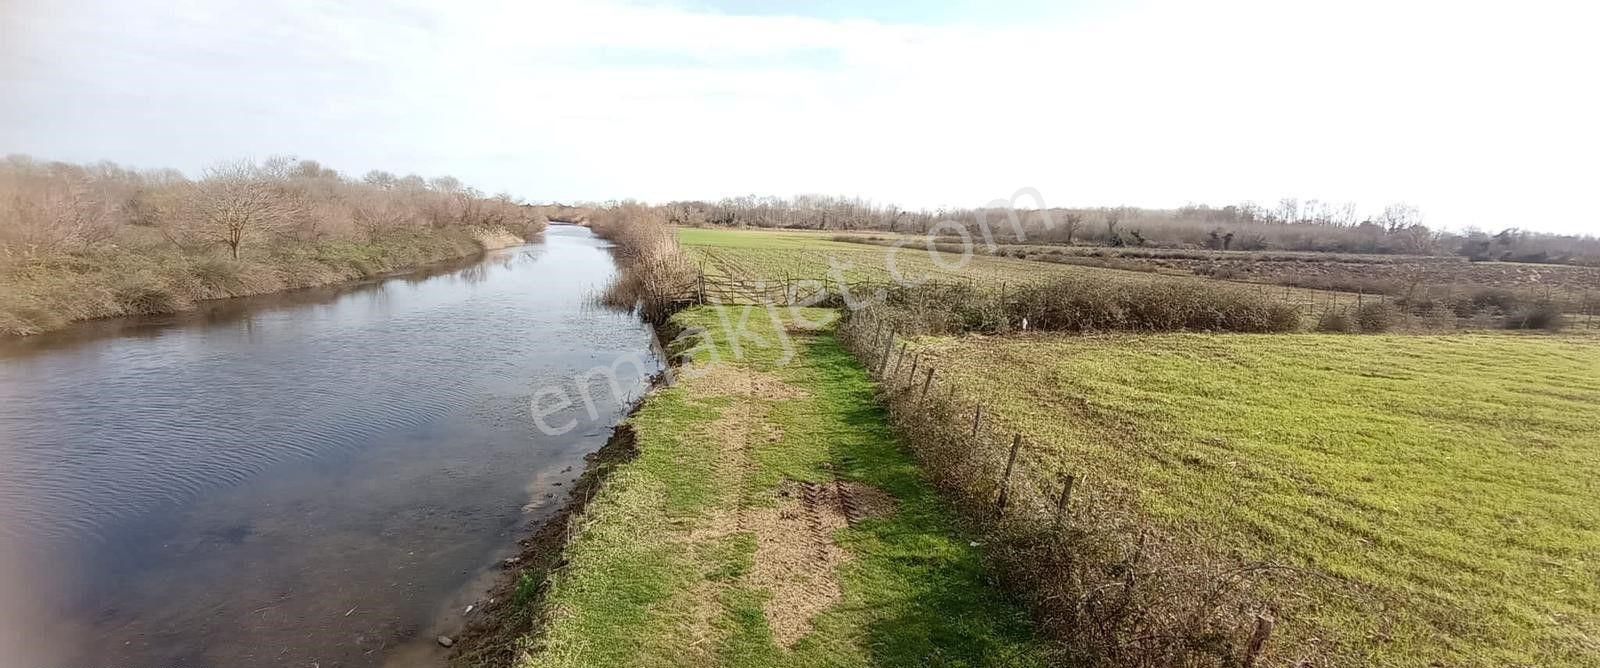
column 652, row 269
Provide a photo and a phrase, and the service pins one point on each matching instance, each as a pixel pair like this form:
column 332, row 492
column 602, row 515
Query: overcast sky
column 1481, row 113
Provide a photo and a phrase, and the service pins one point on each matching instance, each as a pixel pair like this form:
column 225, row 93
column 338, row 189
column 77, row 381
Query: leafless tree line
column 55, row 207
column 1291, row 225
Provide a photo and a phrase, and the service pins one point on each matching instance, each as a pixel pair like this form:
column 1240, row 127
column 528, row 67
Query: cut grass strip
column 687, row 556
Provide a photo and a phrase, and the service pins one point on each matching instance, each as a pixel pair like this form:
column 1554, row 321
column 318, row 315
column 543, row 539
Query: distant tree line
column 1290, row 225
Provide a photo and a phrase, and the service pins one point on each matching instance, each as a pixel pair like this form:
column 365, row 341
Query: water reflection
column 221, row 487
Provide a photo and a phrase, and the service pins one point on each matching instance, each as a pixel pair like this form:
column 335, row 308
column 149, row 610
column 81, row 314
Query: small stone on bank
column 445, row 641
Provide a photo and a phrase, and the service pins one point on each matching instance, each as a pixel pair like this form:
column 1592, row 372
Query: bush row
column 1074, row 304
column 1377, row 317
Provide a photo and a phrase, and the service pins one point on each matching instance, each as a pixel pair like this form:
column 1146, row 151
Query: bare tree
column 1289, row 210
column 1071, row 222
column 235, row 202
column 377, row 212
column 1113, row 217
column 1399, row 216
column 69, row 211
column 380, row 179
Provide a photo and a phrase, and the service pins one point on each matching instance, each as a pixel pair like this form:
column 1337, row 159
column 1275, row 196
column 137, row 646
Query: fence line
column 995, row 475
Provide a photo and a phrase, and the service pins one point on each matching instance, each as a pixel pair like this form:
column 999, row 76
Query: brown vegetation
column 652, row 271
column 1073, row 304
column 83, row 242
column 1428, row 292
column 1290, row 225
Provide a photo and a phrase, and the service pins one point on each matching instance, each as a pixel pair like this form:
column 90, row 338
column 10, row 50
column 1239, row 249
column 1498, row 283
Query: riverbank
column 768, row 518
column 364, row 453
column 44, row 292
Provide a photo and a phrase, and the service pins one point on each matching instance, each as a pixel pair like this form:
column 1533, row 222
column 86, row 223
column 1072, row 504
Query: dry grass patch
column 797, row 559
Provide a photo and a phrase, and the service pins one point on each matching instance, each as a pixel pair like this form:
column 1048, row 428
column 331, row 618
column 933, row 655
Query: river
column 317, row 478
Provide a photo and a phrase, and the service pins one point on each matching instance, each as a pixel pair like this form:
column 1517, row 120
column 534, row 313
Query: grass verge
column 771, row 519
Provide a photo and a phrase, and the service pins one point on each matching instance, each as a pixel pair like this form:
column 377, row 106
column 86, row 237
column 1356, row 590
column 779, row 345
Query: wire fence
column 1067, row 538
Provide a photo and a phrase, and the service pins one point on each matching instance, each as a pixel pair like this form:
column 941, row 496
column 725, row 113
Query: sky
column 1482, row 114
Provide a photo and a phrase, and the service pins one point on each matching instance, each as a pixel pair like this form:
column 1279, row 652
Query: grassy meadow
column 771, row 519
column 760, row 254
column 1434, row 494
column 775, row 255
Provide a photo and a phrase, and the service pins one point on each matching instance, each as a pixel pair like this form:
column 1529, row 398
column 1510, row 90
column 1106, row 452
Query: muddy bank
column 510, row 609
column 510, row 612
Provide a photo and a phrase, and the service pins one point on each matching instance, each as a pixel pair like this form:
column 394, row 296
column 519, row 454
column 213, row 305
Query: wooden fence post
column 702, row 286
column 1005, row 479
column 911, row 378
column 898, row 359
column 977, row 415
column 888, row 347
column 927, row 384
column 1061, row 503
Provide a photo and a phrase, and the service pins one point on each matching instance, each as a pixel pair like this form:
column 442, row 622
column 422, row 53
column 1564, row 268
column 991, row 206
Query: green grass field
column 1449, row 481
column 780, row 254
column 707, row 551
column 776, row 254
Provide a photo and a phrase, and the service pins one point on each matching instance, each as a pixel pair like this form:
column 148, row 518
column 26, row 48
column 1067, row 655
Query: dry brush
column 81, row 242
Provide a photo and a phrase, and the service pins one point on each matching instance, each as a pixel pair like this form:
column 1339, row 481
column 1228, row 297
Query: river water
column 315, row 478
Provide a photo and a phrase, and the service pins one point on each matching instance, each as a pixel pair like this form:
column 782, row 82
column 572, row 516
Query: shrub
column 1543, row 314
column 147, row 298
column 1335, row 321
column 1484, row 300
column 1375, row 317
column 217, row 274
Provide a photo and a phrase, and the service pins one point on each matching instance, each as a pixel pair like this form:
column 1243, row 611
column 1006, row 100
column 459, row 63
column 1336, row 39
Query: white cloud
column 1480, row 113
